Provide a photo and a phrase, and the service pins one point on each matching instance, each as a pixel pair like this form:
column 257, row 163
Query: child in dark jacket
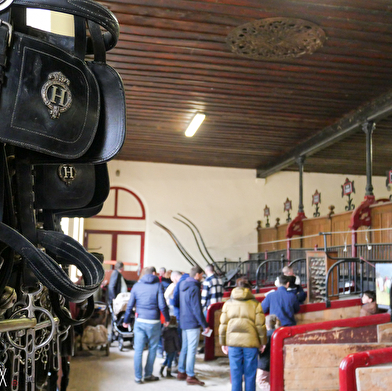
column 369, row 304
column 297, row 290
column 171, row 345
column 263, row 365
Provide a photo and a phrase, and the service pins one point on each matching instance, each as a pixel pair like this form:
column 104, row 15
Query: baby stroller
column 94, row 334
column 117, row 312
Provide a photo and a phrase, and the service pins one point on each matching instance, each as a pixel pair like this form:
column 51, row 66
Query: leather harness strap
column 48, row 271
column 87, row 9
column 5, row 41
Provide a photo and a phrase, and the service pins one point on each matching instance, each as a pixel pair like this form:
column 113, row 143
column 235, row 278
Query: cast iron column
column 368, row 128
column 300, row 161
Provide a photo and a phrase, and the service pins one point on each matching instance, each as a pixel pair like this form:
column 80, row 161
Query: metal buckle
column 9, row 30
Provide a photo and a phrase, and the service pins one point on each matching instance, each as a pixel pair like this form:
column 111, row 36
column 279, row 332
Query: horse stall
column 307, row 356
column 366, row 371
column 309, row 313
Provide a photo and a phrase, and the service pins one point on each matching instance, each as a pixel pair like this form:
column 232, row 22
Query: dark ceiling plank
column 252, row 132
column 137, row 61
column 218, row 33
column 304, row 65
column 336, row 31
column 276, row 93
column 163, row 67
column 126, row 39
column 236, row 107
column 232, row 114
column 259, row 104
column 268, row 8
column 191, row 79
column 333, row 60
column 174, row 61
column 358, row 44
column 249, row 94
column 335, row 27
column 221, row 46
column 202, row 77
column 196, row 60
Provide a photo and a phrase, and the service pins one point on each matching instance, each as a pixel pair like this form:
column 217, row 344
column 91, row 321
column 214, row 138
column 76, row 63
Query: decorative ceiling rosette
column 276, row 38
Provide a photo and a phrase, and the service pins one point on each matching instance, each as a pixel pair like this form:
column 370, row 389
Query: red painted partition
column 347, row 378
column 279, row 336
column 209, row 347
column 209, row 353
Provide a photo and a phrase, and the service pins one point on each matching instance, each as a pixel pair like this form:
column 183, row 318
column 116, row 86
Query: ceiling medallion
column 275, row 38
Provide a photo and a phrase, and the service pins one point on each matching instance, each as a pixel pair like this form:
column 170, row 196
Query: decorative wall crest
column 316, row 200
column 267, row 215
column 275, row 38
column 287, row 206
column 347, row 190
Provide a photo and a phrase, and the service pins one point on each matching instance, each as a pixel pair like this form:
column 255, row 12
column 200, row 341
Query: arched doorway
column 118, row 231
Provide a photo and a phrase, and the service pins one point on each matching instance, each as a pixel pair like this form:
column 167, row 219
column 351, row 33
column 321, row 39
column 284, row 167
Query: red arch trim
column 116, row 216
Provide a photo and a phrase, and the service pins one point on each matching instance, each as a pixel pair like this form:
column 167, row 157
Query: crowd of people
column 171, row 309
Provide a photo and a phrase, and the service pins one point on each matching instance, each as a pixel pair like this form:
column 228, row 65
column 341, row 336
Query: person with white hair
column 163, row 279
column 161, row 272
column 295, row 285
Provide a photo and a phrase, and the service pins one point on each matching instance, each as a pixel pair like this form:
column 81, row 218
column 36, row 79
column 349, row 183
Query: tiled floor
column 96, row 372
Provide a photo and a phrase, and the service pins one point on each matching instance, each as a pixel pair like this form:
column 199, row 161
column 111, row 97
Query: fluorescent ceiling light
column 194, row 125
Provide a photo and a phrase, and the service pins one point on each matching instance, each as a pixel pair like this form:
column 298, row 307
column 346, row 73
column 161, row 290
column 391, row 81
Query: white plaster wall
column 221, row 202
column 224, row 203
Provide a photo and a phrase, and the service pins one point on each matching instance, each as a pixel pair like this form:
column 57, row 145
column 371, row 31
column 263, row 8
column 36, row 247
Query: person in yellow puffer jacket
column 242, row 333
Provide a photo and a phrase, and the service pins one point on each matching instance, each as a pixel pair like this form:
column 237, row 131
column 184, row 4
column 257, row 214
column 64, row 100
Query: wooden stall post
column 318, row 263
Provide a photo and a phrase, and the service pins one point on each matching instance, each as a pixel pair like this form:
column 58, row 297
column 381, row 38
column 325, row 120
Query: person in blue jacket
column 178, row 278
column 191, row 319
column 282, row 303
column 147, row 297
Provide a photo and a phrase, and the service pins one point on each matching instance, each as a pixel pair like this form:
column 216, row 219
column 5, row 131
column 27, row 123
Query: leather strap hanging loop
column 5, row 41
column 87, row 9
column 48, row 271
column 63, row 314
